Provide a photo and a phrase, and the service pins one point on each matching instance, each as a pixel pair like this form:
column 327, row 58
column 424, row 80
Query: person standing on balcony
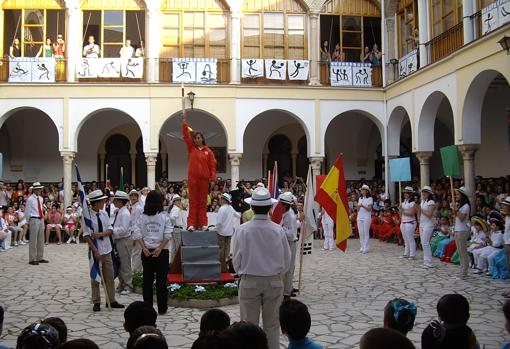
column 46, row 50
column 59, row 47
column 201, row 171
column 91, row 50
column 375, row 55
column 127, row 51
column 140, row 51
column 325, row 55
column 15, row 49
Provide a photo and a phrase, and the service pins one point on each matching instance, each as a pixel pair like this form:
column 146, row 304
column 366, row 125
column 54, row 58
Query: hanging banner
column 275, row 69
column 132, row 68
column 362, row 76
column 108, row 67
column 207, row 71
column 20, row 70
column 412, row 62
column 43, row 69
column 503, row 12
column 252, row 68
column 87, row 68
column 489, row 18
column 402, row 67
column 26, row 69
column 298, row 69
column 341, row 74
column 184, row 70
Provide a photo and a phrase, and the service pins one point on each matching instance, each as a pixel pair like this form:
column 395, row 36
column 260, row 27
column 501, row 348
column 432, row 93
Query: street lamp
column 505, row 43
column 191, row 97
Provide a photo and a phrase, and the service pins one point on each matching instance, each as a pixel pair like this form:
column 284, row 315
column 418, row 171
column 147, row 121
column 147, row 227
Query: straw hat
column 408, row 189
column 477, row 219
column 37, row 185
column 506, row 201
column 365, row 187
column 260, row 197
column 96, row 195
column 427, row 189
column 463, row 191
column 134, row 192
column 227, row 197
column 287, row 198
column 121, row 195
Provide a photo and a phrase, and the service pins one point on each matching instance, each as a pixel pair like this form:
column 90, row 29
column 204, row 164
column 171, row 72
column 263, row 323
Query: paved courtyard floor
column 346, row 294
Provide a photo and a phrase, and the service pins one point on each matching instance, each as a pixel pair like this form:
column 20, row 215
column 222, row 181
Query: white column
column 390, row 186
column 424, row 158
column 467, row 11
column 67, row 159
column 316, row 163
column 468, row 156
column 235, row 163
column 235, row 43
column 152, row 44
column 73, row 38
column 314, row 49
column 151, row 159
column 102, row 157
column 423, row 34
column 133, row 168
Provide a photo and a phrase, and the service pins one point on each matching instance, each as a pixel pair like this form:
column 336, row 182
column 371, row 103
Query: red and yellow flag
column 332, row 195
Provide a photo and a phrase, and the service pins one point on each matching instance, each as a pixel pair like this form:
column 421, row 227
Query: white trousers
column 364, row 233
column 329, row 241
column 425, row 235
column 482, row 256
column 8, row 238
column 407, row 230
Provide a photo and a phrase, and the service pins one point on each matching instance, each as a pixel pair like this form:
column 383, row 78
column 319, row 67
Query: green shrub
column 212, row 292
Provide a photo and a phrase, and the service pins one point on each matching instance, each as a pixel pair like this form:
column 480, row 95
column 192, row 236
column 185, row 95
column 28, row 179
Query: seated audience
column 139, row 314
column 59, row 325
column 213, row 320
column 82, row 343
column 147, row 337
column 295, row 322
column 247, row 335
column 38, row 336
column 506, row 313
column 399, row 315
column 384, row 338
column 1, row 324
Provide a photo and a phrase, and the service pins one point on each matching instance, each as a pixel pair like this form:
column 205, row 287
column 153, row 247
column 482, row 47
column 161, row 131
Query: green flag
column 450, row 159
column 121, row 182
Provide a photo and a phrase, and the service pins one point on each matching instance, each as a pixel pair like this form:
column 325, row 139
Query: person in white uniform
column 136, row 210
column 364, row 206
column 408, row 223
column 178, row 223
column 35, row 214
column 505, row 209
column 153, row 232
column 289, row 224
column 100, row 243
column 123, row 241
column 91, row 50
column 261, row 254
column 462, row 228
column 225, row 223
column 328, row 226
column 495, row 243
column 427, row 223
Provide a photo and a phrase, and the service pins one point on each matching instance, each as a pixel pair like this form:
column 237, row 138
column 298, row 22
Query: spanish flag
column 332, row 195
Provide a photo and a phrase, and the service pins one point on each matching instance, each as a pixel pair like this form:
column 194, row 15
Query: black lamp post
column 505, row 44
column 191, row 97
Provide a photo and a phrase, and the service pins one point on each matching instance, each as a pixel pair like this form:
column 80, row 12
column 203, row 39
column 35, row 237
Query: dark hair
column 194, row 133
column 213, row 320
column 147, row 337
column 384, row 338
column 1, row 315
column 463, row 200
column 59, row 325
column 440, row 336
column 261, row 209
column 295, row 319
column 81, row 343
column 506, row 310
column 139, row 314
column 453, row 309
column 214, row 340
column 399, row 315
column 38, row 336
column 153, row 203
column 247, row 335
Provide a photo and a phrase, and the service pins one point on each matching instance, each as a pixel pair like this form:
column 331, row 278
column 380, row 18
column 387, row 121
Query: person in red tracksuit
column 201, row 171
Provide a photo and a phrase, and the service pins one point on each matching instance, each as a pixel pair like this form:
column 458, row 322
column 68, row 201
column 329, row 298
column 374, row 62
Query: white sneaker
column 15, row 243
column 26, row 241
column 191, row 227
column 21, row 242
column 403, row 256
column 69, row 240
column 78, row 241
column 74, row 239
column 124, row 291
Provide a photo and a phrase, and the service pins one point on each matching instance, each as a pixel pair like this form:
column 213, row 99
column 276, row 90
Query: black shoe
column 117, row 305
column 43, row 261
column 97, row 307
column 293, row 294
column 294, row 290
column 33, row 263
column 286, row 298
column 162, row 312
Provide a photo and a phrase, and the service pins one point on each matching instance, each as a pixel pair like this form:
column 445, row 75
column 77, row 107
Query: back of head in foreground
column 247, row 335
column 453, row 309
column 295, row 320
column 214, row 320
column 38, row 336
column 147, row 337
column 139, row 314
column 399, row 315
column 384, row 338
column 81, row 343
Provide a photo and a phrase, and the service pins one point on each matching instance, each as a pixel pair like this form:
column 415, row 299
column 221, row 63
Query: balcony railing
column 324, row 74
column 445, row 43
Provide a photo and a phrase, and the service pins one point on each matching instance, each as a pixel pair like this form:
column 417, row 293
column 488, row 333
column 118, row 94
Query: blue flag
column 95, row 271
column 400, row 170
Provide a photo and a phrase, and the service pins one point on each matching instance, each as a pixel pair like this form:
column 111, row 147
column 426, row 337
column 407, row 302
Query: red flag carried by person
column 274, row 190
column 332, row 195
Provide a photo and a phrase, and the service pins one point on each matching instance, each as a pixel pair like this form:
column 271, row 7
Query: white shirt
column 126, row 52
column 225, row 222
column 497, row 239
column 136, row 212
column 94, row 51
column 260, row 248
column 31, row 207
column 103, row 245
column 289, row 224
column 407, row 205
column 462, row 226
column 477, row 236
column 326, row 220
column 429, row 207
column 506, row 236
column 122, row 224
column 363, row 213
column 4, row 197
column 176, row 217
column 153, row 229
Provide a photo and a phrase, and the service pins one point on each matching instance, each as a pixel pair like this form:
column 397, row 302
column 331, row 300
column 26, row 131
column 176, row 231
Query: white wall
column 493, row 157
column 30, row 139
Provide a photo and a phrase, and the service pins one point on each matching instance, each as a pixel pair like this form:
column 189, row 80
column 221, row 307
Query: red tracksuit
column 201, row 170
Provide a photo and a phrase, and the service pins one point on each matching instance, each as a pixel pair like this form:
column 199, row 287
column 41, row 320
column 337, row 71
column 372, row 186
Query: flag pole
column 106, row 177
column 303, row 225
column 453, row 194
column 108, row 304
